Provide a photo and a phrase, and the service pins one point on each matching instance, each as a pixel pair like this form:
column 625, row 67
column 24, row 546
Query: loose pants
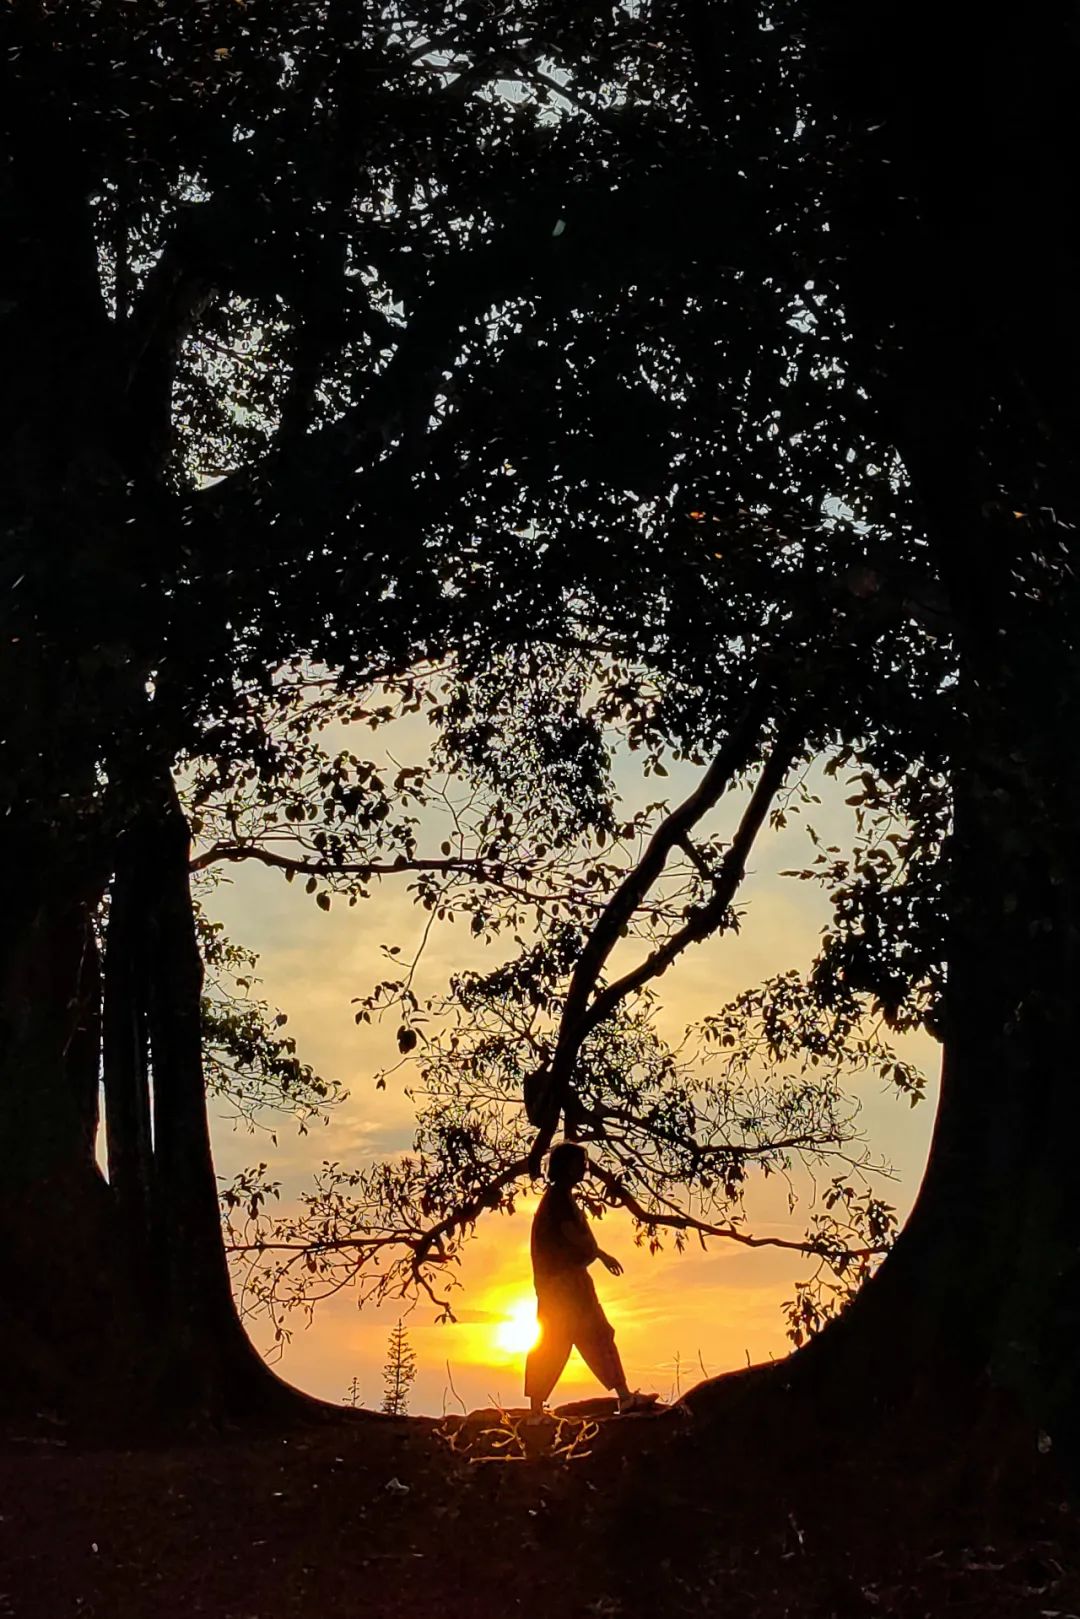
column 571, row 1316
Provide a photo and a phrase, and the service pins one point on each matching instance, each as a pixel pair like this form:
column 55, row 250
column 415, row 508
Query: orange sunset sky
column 672, row 1313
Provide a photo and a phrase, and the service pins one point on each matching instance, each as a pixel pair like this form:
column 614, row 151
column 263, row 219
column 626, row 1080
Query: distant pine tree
column 399, row 1372
column 352, row 1393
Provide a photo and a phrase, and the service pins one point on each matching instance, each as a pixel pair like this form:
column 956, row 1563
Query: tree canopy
column 583, row 378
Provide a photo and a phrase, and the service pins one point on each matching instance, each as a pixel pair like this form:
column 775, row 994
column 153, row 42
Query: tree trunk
column 983, row 1286
column 965, row 339
column 209, row 1366
column 119, row 1307
column 126, row 1066
column 55, row 1227
column 112, row 1289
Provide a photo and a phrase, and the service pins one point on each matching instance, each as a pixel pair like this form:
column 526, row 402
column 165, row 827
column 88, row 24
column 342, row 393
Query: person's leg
column 595, row 1339
column 544, row 1363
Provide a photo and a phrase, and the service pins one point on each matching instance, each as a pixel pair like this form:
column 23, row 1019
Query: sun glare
column 518, row 1330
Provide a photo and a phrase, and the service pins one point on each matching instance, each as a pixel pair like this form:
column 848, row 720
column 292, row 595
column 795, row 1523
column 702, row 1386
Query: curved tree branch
column 583, row 1008
column 678, row 1221
column 236, row 852
column 708, row 918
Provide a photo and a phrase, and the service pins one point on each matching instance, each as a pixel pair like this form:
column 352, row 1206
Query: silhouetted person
column 563, row 1248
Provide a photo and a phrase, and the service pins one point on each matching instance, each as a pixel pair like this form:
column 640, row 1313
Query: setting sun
column 519, row 1330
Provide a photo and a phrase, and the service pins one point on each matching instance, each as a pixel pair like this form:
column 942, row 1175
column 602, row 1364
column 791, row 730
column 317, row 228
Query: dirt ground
column 746, row 1509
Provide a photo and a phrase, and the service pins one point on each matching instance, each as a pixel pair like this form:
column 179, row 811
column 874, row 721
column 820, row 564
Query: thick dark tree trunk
column 84, row 1044
column 47, row 1018
column 965, row 339
column 126, row 1054
column 118, row 1307
column 983, row 1287
column 55, row 1227
column 209, row 1362
column 116, row 1293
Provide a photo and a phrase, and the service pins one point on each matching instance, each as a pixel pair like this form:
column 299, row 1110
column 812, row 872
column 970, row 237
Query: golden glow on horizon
column 520, row 1329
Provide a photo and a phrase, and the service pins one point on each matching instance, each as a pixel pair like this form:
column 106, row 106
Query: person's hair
column 564, row 1160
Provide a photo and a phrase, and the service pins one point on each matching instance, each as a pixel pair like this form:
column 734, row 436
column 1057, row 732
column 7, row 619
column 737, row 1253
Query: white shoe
column 637, row 1402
